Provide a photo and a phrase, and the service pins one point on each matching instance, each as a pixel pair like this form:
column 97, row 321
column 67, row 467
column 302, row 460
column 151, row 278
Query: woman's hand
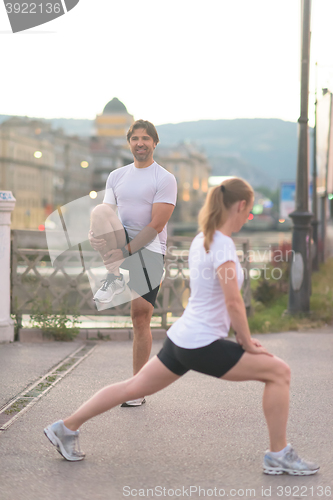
column 96, row 243
column 253, row 347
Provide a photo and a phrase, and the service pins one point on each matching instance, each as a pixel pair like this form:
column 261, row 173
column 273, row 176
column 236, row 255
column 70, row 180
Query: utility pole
column 315, row 222
column 300, row 275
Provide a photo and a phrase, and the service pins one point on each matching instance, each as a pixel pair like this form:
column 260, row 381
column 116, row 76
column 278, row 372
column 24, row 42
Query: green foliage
column 270, row 316
column 322, row 293
column 268, row 289
column 59, row 325
column 265, row 292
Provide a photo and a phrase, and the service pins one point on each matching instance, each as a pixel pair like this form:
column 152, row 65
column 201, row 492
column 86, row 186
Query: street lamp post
column 323, row 197
column 315, row 222
column 300, row 274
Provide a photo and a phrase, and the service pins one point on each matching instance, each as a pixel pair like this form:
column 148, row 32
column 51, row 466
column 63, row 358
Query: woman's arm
column 227, row 275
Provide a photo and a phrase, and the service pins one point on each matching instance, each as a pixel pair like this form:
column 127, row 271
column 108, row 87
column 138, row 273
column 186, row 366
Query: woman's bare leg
column 275, row 373
column 153, row 377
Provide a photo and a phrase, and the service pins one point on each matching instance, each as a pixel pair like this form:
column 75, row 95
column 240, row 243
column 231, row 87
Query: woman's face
column 244, row 210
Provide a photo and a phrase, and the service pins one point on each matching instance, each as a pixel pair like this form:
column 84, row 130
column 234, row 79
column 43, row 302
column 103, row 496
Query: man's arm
column 114, row 207
column 161, row 213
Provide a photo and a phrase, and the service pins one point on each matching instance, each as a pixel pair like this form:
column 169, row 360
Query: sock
column 280, row 453
column 68, row 431
column 113, row 276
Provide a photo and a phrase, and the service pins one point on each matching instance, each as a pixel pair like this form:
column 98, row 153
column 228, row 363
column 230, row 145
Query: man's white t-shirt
column 206, row 317
column 134, row 191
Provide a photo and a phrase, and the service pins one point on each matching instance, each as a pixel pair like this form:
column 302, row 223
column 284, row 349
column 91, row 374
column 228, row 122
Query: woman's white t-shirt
column 206, row 318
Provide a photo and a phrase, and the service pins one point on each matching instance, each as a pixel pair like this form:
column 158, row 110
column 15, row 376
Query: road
column 198, row 432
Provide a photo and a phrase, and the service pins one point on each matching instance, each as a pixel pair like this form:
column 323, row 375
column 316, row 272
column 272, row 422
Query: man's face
column 141, row 145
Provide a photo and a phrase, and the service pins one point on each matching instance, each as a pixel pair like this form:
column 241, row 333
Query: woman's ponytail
column 218, row 201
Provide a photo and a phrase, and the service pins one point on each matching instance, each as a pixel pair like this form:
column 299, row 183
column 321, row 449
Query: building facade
column 191, row 169
column 43, row 169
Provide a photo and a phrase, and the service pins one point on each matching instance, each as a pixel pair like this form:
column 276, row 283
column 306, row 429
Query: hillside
column 262, row 150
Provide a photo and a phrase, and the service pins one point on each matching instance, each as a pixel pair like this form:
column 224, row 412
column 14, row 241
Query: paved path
column 21, row 364
column 199, row 432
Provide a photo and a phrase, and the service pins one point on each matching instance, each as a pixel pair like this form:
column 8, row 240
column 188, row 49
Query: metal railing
column 67, row 284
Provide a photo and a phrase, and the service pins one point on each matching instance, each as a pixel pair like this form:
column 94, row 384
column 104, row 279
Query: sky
column 167, row 61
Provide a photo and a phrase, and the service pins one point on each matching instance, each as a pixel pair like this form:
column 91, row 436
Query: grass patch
column 41, row 387
column 66, row 366
column 17, row 406
column 271, row 317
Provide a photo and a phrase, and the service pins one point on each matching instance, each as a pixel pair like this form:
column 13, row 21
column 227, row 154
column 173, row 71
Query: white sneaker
column 112, row 285
column 289, row 463
column 134, row 402
column 67, row 444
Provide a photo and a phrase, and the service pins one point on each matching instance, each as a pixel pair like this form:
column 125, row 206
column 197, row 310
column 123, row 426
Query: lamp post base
column 315, row 254
column 300, row 272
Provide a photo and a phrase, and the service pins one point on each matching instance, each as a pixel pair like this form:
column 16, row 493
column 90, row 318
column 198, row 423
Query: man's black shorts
column 145, row 271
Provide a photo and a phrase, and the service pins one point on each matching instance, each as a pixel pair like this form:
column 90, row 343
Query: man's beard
column 141, row 157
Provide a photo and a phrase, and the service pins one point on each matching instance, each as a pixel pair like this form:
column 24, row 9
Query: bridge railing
column 33, row 278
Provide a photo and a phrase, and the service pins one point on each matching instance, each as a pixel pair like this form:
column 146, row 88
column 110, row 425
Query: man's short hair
column 147, row 126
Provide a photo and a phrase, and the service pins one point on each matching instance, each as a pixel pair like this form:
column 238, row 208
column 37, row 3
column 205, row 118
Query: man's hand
column 113, row 259
column 96, row 243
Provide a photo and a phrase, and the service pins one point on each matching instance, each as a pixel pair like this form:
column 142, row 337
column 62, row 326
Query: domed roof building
column 114, row 122
column 114, row 106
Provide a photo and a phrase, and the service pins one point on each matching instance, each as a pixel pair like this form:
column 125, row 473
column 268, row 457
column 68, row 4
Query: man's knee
column 141, row 319
column 102, row 210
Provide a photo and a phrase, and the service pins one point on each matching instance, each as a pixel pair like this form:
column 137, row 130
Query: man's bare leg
column 141, row 312
column 105, row 224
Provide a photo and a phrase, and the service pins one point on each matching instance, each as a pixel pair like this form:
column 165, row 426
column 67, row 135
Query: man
column 145, row 195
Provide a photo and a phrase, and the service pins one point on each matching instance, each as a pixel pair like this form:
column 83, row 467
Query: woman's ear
column 242, row 205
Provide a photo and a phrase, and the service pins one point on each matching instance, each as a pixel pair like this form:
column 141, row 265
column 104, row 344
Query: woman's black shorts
column 214, row 359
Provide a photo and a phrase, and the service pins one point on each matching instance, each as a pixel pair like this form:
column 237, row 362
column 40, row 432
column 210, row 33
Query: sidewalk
column 198, row 432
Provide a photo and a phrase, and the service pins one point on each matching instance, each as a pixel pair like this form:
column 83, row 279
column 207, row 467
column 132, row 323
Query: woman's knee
column 138, row 386
column 135, row 388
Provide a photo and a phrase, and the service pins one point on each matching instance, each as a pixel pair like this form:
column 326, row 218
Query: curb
column 114, row 334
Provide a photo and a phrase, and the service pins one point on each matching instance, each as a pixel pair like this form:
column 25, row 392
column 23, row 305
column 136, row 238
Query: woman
column 198, row 341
